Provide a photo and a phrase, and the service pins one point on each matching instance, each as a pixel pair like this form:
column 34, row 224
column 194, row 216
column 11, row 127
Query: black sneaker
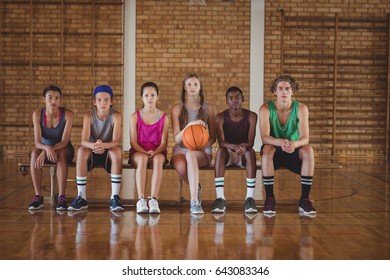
column 116, row 204
column 250, row 205
column 305, row 207
column 219, row 206
column 61, row 203
column 269, row 206
column 78, row 204
column 37, row 203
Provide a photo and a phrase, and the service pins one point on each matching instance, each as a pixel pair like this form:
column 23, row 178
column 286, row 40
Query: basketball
column 195, row 137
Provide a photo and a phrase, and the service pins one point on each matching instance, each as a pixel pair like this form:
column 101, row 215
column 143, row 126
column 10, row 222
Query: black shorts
column 100, row 160
column 290, row 161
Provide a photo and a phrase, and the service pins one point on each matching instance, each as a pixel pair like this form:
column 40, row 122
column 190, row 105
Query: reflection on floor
column 352, row 221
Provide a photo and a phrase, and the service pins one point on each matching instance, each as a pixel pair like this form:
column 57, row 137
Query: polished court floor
column 353, row 220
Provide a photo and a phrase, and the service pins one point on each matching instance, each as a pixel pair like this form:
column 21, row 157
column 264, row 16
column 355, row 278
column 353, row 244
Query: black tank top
column 236, row 132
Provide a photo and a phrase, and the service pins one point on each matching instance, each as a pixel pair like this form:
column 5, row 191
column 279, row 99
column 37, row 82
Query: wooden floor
column 353, row 220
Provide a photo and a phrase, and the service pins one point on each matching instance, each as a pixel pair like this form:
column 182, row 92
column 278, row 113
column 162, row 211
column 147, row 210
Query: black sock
column 268, row 182
column 306, row 182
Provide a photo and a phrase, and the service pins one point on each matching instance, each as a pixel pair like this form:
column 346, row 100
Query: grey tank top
column 102, row 129
column 193, row 114
column 52, row 136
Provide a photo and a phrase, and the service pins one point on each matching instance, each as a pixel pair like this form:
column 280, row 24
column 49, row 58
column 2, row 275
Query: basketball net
column 197, row 2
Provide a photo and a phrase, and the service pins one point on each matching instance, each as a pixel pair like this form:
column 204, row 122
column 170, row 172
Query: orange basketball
column 195, row 137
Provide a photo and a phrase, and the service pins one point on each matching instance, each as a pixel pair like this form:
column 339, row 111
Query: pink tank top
column 149, row 135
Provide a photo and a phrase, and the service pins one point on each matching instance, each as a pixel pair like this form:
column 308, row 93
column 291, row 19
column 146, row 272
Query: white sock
column 82, row 186
column 219, row 187
column 115, row 184
column 250, row 187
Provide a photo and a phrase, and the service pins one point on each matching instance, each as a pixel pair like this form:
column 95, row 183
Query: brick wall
column 78, row 44
column 174, row 38
column 74, row 44
column 343, row 83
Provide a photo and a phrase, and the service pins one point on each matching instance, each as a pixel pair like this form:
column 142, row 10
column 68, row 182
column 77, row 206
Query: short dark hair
column 233, row 89
column 285, row 78
column 51, row 87
column 149, row 84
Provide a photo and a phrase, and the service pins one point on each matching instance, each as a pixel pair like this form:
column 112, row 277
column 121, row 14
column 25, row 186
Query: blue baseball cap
column 103, row 88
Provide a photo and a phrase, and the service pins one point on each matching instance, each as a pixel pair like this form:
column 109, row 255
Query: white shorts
column 234, row 160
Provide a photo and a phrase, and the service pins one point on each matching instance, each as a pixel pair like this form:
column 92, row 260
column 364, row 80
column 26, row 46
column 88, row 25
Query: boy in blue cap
column 100, row 140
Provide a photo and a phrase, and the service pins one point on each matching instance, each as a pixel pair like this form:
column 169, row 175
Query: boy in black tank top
column 236, row 130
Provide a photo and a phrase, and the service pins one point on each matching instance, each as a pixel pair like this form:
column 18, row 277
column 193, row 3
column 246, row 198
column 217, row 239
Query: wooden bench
column 23, row 168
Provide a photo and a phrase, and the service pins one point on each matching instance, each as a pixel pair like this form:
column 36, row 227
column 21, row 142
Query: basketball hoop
column 197, row 2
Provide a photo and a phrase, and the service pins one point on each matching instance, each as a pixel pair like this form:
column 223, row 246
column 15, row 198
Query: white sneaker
column 142, row 207
column 196, row 208
column 153, row 206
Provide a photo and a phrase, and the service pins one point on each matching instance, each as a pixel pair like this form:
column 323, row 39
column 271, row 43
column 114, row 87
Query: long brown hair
column 183, row 117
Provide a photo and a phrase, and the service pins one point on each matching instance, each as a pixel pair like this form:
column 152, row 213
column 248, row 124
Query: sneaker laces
column 37, row 198
column 219, row 203
column 117, row 199
column 61, row 199
column 142, row 202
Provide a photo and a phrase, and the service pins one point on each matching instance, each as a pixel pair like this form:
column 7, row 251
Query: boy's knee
column 83, row 152
column 250, row 155
column 268, row 151
column 307, row 152
column 115, row 153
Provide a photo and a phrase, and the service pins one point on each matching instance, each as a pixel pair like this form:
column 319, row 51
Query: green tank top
column 288, row 131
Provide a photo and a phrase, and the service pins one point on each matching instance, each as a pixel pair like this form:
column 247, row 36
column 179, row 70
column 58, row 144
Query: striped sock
column 250, row 187
column 306, row 182
column 219, row 187
column 268, row 182
column 116, row 180
column 82, row 186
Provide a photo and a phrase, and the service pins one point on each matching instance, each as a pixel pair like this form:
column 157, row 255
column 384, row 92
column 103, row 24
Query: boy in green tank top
column 284, row 130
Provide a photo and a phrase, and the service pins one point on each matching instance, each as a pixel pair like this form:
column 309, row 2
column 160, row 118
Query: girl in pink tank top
column 148, row 139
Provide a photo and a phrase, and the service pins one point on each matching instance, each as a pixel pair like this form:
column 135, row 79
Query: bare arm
column 86, row 132
column 219, row 121
column 116, row 134
column 303, row 115
column 220, row 133
column 265, row 128
column 252, row 131
column 134, row 133
column 177, row 133
column 47, row 151
column 211, row 125
column 37, row 131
